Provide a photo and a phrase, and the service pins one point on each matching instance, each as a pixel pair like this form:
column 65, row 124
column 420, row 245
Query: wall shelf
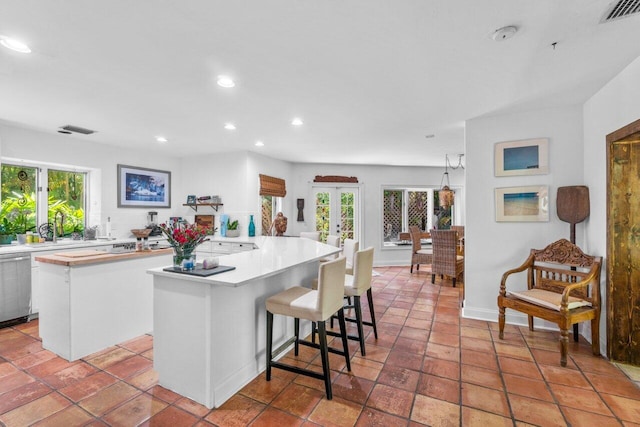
column 194, row 206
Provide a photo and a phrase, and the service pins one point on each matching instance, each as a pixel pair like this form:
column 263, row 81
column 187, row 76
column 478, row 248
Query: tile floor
column 428, row 367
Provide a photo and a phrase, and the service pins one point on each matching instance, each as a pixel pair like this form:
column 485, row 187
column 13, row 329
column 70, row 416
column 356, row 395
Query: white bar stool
column 317, row 306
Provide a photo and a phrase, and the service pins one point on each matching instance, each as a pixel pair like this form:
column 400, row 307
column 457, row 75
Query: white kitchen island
column 209, row 332
column 92, row 299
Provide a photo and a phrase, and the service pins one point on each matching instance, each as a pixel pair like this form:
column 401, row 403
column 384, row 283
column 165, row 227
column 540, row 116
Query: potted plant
column 7, row 231
column 232, row 228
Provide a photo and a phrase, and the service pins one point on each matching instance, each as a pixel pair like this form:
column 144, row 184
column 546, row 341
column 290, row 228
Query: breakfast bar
column 92, row 299
column 209, row 332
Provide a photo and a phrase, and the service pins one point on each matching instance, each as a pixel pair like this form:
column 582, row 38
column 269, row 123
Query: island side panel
column 224, row 329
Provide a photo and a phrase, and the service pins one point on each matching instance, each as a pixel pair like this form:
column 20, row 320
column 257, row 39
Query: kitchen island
column 209, row 332
column 92, row 299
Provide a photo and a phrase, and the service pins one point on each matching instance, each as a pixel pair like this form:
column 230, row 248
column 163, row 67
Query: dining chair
column 312, row 235
column 418, row 255
column 333, row 241
column 446, row 261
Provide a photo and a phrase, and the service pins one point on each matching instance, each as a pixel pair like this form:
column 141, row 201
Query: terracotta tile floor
column 428, row 367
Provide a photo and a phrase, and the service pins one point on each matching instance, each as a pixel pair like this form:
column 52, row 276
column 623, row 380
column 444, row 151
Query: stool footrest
column 283, row 347
column 329, row 349
column 297, row 370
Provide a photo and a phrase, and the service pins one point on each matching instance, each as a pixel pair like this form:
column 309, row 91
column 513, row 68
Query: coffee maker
column 152, row 224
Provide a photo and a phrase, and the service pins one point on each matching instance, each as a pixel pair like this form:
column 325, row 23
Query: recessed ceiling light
column 14, row 44
column 297, row 121
column 161, row 139
column 229, row 126
column 259, row 144
column 225, row 81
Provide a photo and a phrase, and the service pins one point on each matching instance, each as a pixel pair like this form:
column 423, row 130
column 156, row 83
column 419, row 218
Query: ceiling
column 371, row 79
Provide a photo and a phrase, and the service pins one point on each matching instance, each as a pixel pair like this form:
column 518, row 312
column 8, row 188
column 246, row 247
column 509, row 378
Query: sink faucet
column 55, row 225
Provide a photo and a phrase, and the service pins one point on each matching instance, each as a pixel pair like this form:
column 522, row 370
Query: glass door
column 337, row 212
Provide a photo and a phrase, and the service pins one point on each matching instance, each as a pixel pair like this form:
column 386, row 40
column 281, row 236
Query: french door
column 337, row 212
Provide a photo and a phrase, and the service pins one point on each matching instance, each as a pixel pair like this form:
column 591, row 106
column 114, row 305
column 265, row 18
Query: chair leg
column 576, row 333
column 372, row 312
column 314, row 330
column 343, row 335
column 324, row 355
column 595, row 337
column 411, row 269
column 433, row 279
column 564, row 345
column 269, row 343
column 358, row 308
column 501, row 319
column 296, row 328
column 453, row 280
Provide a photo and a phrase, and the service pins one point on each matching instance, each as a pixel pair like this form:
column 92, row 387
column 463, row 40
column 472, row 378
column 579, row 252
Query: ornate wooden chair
column 446, row 261
column 563, row 287
column 418, row 255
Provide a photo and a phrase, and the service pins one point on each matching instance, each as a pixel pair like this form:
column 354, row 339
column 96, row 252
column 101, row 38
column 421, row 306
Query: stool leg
column 324, row 354
column 269, row 343
column 373, row 314
column 343, row 335
column 314, row 329
column 296, row 327
column 358, row 308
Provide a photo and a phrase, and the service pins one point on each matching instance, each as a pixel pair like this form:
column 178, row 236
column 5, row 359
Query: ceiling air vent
column 621, row 9
column 77, row 129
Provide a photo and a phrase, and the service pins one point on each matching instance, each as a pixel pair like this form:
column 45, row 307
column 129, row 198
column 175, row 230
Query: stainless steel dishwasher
column 15, row 288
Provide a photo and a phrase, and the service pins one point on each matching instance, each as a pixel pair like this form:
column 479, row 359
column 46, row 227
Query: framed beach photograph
column 522, row 204
column 143, row 188
column 525, row 157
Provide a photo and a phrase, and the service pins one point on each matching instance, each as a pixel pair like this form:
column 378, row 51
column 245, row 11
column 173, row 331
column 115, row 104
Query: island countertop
column 94, row 256
column 272, row 256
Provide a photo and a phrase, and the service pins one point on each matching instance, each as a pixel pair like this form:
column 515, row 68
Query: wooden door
column 623, row 245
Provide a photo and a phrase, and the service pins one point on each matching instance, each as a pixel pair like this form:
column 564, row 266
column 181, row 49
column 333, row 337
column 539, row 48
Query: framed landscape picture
column 526, row 157
column 143, row 188
column 522, row 204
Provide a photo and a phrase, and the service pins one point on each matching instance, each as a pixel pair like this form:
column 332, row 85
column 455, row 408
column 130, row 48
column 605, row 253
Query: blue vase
column 252, row 227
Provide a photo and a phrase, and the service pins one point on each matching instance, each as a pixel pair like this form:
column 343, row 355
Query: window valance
column 270, row 186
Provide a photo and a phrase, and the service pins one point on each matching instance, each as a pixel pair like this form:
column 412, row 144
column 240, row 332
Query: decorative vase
column 252, row 227
column 184, row 259
column 233, row 233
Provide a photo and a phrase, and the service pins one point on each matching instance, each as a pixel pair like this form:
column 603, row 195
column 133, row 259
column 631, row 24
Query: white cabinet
column 215, row 248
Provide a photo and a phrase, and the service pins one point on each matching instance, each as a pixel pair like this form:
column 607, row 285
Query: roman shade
column 270, row 186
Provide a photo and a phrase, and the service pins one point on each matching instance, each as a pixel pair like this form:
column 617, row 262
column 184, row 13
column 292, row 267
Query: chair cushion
column 548, row 299
column 296, row 302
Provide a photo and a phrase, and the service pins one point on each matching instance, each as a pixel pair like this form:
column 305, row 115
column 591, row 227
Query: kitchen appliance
column 15, row 288
column 153, row 224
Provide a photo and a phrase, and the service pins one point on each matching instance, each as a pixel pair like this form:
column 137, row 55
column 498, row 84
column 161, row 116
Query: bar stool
column 349, row 248
column 333, row 241
column 312, row 235
column 355, row 286
column 317, row 306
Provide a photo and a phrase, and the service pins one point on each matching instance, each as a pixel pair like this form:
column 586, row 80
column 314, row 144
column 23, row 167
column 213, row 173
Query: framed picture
column 191, row 199
column 143, row 188
column 522, row 204
column 205, row 221
column 526, row 157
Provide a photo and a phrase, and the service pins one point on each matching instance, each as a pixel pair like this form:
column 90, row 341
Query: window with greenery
column 26, row 208
column 323, row 210
column 406, row 207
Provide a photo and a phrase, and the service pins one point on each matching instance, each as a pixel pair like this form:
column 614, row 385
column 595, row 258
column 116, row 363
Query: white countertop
column 274, row 254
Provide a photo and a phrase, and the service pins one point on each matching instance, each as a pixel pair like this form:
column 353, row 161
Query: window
column 23, row 203
column 271, row 205
column 406, row 207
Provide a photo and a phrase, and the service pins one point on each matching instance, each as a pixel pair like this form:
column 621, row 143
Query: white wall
column 494, row 247
column 372, row 179
column 616, row 105
column 30, row 145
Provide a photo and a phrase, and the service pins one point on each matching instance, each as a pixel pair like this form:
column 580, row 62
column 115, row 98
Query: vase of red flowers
column 184, row 238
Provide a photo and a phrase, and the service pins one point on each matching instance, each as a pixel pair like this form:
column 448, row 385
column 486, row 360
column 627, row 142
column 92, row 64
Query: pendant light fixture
column 445, row 194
